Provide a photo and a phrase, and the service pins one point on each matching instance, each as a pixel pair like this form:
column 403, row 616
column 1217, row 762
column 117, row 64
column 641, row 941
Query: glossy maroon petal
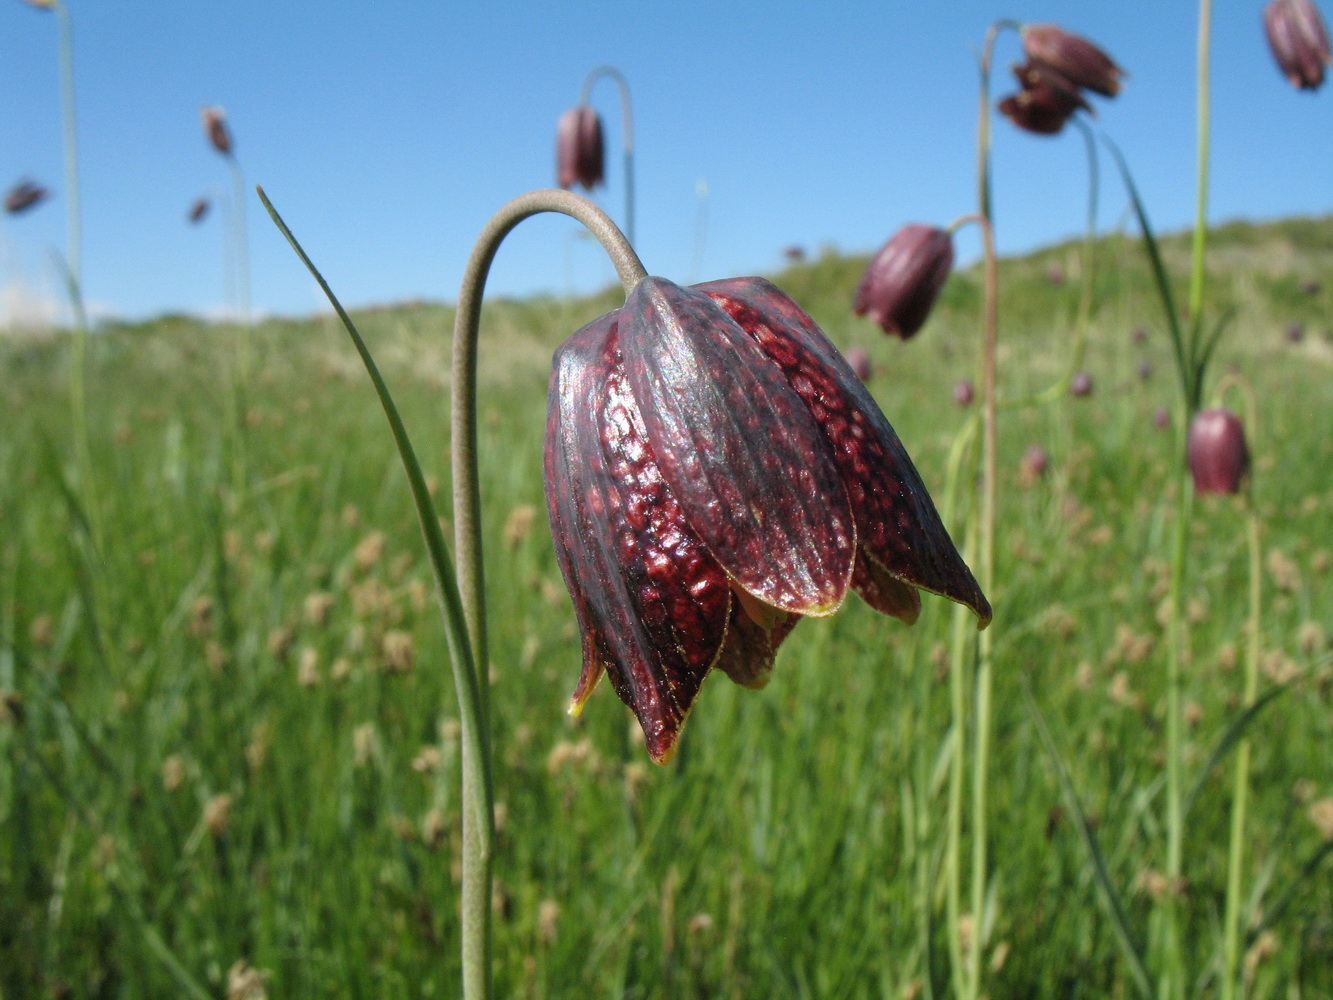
column 897, row 528
column 579, row 152
column 652, row 603
column 738, row 447
column 747, row 655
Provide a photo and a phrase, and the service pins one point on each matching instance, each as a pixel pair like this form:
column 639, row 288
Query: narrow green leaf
column 1229, row 738
column 1109, row 896
column 455, row 625
column 1285, row 898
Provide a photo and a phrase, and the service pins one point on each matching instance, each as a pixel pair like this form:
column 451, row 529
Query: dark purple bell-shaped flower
column 1215, row 449
column 1081, row 384
column 903, row 280
column 1073, row 57
column 1046, row 102
column 963, row 392
column 714, row 472
column 579, row 154
column 1299, row 41
column 23, row 196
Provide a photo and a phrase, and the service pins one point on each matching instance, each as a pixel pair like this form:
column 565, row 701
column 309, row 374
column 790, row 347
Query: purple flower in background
column 903, row 280
column 23, row 196
column 579, row 154
column 714, row 472
column 1299, row 41
column 1216, row 451
column 858, row 359
column 215, row 128
column 1073, row 57
column 963, row 393
column 1081, row 384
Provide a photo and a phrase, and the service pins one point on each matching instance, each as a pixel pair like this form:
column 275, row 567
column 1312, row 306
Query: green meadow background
column 228, row 745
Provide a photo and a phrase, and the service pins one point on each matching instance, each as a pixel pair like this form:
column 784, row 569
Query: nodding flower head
column 1046, row 101
column 215, row 128
column 904, row 279
column 23, row 196
column 1216, row 452
column 715, row 471
column 579, row 156
column 1299, row 41
column 1073, row 57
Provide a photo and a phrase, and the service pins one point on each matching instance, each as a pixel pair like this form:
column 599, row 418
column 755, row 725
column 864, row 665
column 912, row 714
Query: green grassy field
column 227, row 732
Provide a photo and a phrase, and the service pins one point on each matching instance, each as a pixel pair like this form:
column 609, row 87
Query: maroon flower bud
column 199, row 209
column 1161, row 418
column 1215, row 449
column 1073, row 57
column 215, row 128
column 579, row 156
column 1295, row 333
column 1034, row 465
column 963, row 392
column 1041, row 110
column 1081, row 384
column 903, row 280
column 1299, row 41
column 858, row 359
column 23, row 196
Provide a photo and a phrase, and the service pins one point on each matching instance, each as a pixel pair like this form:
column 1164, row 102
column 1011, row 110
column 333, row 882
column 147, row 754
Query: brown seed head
column 215, row 128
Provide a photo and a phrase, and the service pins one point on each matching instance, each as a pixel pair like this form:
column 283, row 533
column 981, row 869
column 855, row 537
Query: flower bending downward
column 714, row 472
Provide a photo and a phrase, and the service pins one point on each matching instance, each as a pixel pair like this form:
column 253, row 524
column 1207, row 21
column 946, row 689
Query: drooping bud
column 1299, row 41
column 963, row 393
column 1042, row 109
column 1075, row 58
column 1216, row 451
column 1081, row 384
column 903, row 280
column 215, row 128
column 23, row 196
column 579, row 156
column 858, row 359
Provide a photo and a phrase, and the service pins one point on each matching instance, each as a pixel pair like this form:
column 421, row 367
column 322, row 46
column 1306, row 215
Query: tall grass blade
column 1228, row 739
column 1110, row 898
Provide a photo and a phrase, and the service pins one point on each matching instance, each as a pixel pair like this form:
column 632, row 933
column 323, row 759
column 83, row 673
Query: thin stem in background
column 1232, row 945
column 626, row 135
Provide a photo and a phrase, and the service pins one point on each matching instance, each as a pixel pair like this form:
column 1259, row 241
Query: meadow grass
column 227, row 733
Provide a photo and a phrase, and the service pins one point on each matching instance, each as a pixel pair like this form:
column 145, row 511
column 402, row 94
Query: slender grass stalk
column 985, row 526
column 241, row 356
column 1177, row 638
column 626, row 135
column 1232, row 946
column 462, row 595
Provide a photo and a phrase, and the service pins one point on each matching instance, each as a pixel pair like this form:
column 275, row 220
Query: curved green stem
column 1201, row 179
column 626, row 135
column 478, row 795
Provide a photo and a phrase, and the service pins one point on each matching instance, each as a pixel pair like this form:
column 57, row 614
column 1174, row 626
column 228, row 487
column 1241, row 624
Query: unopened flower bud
column 1299, row 41
column 579, row 155
column 1215, row 449
column 903, row 280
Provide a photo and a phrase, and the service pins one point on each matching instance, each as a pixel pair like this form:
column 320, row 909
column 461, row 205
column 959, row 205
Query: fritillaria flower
column 1044, row 104
column 579, row 156
column 715, row 471
column 1216, row 452
column 215, row 128
column 1073, row 57
column 1299, row 41
column 1081, row 384
column 963, row 392
column 23, row 196
column 903, row 280
column 858, row 359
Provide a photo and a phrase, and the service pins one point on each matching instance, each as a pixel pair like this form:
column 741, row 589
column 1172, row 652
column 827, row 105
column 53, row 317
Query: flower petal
column 751, row 470
column 747, row 655
column 652, row 603
column 897, row 528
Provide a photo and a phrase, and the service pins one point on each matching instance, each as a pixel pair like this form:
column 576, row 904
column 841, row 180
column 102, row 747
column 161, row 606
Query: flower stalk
column 626, row 134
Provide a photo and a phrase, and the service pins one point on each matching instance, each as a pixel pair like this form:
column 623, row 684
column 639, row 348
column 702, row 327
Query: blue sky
column 387, row 133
